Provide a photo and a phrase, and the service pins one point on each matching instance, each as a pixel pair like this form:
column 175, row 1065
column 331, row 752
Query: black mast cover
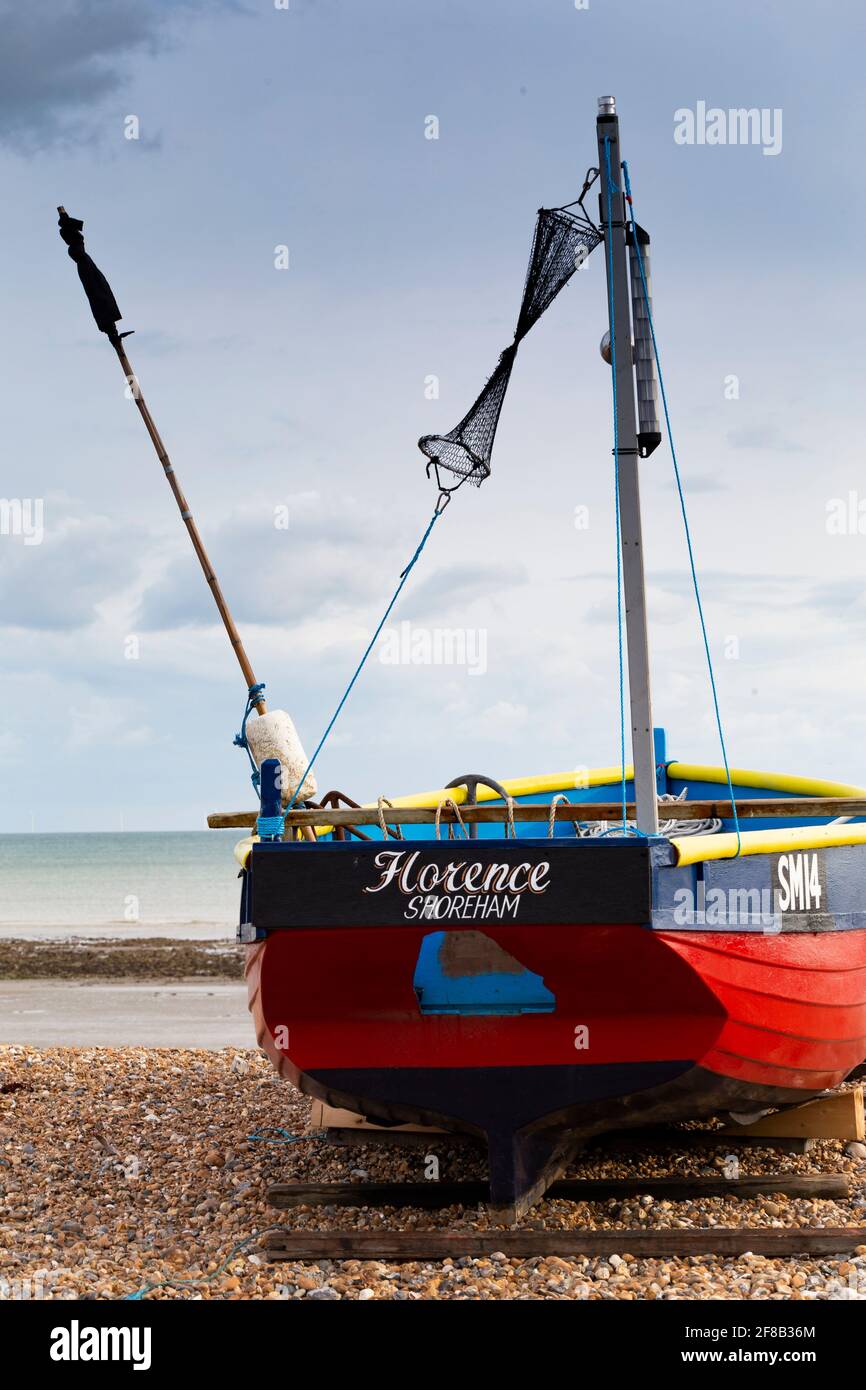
column 99, row 294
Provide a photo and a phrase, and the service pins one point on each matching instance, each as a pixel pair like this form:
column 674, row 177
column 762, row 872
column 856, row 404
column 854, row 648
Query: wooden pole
column 187, row 518
column 815, row 807
column 186, row 515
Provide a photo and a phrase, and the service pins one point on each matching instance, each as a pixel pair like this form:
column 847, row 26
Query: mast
column 616, row 264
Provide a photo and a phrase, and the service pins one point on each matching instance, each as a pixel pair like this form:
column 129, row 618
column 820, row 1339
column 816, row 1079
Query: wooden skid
column 793, row 1132
column 838, row 1116
column 330, row 1118
column 400, row 1137
column 818, row 807
column 648, row 1244
column 445, row 1194
column 664, row 1137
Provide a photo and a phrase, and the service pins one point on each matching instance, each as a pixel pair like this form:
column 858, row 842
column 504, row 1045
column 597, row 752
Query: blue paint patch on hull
column 489, row 994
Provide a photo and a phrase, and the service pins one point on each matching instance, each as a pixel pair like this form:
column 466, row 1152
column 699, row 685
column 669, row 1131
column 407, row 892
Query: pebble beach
column 141, row 1172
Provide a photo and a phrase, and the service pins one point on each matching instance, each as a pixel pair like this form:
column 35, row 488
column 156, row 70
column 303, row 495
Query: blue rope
column 203, row 1278
column 611, row 308
column 682, row 505
column 270, row 827
column 286, row 1138
column 254, row 695
column 439, row 509
column 242, row 1245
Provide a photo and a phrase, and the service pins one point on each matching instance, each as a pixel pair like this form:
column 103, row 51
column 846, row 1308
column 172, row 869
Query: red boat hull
column 668, row 1025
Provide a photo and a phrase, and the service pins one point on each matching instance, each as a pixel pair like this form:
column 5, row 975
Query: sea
column 121, row 884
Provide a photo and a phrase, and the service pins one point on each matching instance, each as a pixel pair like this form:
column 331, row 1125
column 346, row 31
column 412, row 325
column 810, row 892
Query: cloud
column 698, row 482
column 11, row 747
column 103, row 723
column 327, row 561
column 56, row 585
column 500, row 722
column 61, row 58
column 767, row 437
column 462, row 583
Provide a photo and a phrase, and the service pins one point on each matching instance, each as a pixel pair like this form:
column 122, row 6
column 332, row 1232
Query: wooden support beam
column 839, row 1116
column 663, row 1137
column 346, row 1128
column 668, row 1137
column 818, row 808
column 432, row 1195
column 656, row 1242
column 331, row 1117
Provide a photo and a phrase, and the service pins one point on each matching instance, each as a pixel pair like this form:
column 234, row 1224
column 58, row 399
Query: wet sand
column 123, row 992
column 114, row 931
column 202, row 1014
column 129, row 958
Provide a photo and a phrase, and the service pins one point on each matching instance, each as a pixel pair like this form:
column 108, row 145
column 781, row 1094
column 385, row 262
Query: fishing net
column 560, row 246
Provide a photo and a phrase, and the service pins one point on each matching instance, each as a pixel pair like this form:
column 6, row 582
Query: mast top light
column 607, row 106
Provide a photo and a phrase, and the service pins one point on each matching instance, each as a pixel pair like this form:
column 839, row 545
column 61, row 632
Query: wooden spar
column 187, row 518
column 817, row 807
column 186, row 515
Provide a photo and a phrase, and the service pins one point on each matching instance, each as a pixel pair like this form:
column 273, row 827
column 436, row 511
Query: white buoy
column 273, row 735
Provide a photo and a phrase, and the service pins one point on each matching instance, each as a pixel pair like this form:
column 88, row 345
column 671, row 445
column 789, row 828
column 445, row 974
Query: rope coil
column 398, row 829
column 557, row 800
column 452, row 806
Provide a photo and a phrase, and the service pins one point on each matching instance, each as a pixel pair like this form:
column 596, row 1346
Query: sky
column 296, row 395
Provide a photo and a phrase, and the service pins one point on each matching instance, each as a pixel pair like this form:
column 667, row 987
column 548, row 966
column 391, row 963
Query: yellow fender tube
column 691, row 849
column 768, row 781
column 243, row 849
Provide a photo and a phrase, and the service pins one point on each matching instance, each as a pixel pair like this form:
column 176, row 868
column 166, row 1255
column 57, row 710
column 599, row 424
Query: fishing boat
column 535, row 961
column 539, row 991
column 538, row 987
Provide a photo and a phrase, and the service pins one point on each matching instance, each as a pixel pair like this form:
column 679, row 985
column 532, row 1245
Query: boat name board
column 296, row 885
column 465, row 889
